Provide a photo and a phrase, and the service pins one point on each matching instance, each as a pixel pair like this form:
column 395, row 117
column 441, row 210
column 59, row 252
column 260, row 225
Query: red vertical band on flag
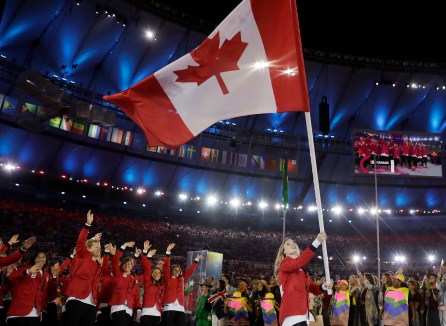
column 281, row 40
column 147, row 104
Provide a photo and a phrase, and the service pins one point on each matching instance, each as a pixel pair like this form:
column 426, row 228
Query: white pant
column 218, row 322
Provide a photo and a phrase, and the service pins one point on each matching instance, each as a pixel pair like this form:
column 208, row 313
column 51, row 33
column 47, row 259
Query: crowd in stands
column 49, row 224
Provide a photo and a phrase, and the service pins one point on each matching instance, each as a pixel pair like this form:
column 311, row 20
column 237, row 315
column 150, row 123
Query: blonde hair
column 354, row 277
column 90, row 242
column 279, row 257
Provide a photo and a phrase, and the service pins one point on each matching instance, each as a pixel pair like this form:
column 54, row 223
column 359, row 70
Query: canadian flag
column 252, row 63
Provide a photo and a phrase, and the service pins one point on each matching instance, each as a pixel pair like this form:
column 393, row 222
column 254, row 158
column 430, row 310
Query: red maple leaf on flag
column 212, row 60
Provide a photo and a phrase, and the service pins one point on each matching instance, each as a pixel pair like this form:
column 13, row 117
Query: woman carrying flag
column 294, row 281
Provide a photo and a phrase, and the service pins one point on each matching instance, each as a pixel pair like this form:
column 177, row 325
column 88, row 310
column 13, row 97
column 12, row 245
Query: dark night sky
column 375, row 28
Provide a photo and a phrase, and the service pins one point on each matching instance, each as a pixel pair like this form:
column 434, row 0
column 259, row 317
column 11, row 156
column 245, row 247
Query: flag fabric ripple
column 252, row 63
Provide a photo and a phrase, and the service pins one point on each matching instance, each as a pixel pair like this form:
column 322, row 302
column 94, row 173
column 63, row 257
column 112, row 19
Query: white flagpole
column 378, row 252
column 317, row 193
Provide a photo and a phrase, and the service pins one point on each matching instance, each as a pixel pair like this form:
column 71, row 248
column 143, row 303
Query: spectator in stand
column 28, row 288
column 294, row 280
column 125, row 289
column 173, row 301
column 153, row 289
column 82, row 289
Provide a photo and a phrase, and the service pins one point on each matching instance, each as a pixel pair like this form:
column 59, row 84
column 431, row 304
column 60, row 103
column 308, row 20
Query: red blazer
column 125, row 288
column 84, row 271
column 27, row 291
column 174, row 287
column 106, row 281
column 153, row 293
column 65, row 265
column 63, row 281
column 140, row 278
column 53, row 285
column 15, row 257
column 296, row 285
column 4, row 248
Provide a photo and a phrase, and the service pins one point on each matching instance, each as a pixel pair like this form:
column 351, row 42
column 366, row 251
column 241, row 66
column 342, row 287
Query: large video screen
column 397, row 153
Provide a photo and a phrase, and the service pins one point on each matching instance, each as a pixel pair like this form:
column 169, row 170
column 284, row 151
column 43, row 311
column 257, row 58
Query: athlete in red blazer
column 294, row 281
column 125, row 288
column 49, row 315
column 153, row 288
column 64, row 280
column 173, row 301
column 28, row 288
column 83, row 285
